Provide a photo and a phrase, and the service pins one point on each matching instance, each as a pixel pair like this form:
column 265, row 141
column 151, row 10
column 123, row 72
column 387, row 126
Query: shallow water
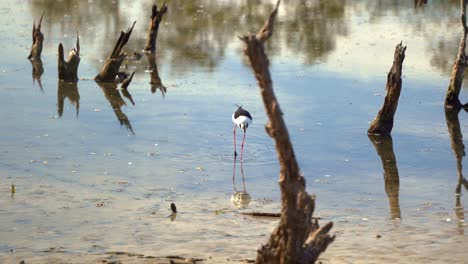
column 97, row 175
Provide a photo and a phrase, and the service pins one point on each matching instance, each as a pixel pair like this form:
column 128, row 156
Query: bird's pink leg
column 235, row 152
column 242, row 146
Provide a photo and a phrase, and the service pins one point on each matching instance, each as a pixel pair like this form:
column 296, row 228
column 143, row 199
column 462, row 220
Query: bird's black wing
column 242, row 112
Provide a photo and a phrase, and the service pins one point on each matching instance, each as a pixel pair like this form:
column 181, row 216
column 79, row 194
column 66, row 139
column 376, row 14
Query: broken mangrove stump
column 68, row 70
column 37, row 40
column 298, row 238
column 384, row 147
column 156, row 18
column 110, row 70
column 459, row 67
column 383, row 123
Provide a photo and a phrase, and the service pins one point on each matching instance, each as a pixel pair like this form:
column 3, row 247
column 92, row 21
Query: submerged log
column 459, row 66
column 67, row 90
column 38, row 40
column 156, row 18
column 112, row 66
column 68, row 70
column 298, row 238
column 37, row 71
column 383, row 123
column 156, row 83
column 384, row 147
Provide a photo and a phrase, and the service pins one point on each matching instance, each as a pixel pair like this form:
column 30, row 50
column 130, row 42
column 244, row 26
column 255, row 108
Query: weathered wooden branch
column 298, row 238
column 384, row 147
column 156, row 18
column 37, row 71
column 459, row 66
column 112, row 66
column 116, row 101
column 67, row 90
column 156, row 82
column 68, row 70
column 37, row 40
column 383, row 123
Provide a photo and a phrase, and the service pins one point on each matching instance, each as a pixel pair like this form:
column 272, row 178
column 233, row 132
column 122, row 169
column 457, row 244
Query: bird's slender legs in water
column 235, row 152
column 242, row 174
column 242, row 146
column 234, row 174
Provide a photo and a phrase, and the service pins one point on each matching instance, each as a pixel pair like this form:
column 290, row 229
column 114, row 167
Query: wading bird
column 242, row 119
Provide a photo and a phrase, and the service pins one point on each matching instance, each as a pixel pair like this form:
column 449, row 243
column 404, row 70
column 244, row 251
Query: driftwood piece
column 37, row 71
column 456, row 141
column 298, row 238
column 156, row 18
column 116, row 101
column 383, row 123
column 67, row 90
column 68, row 70
column 156, row 83
column 459, row 66
column 37, row 41
column 384, row 147
column 110, row 70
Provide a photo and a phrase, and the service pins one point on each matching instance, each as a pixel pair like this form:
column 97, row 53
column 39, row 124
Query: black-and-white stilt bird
column 242, row 119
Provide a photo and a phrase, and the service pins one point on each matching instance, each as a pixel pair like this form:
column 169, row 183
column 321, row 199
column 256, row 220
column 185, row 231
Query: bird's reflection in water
column 456, row 141
column 67, row 90
column 384, row 147
column 156, row 83
column 37, row 71
column 239, row 199
column 116, row 101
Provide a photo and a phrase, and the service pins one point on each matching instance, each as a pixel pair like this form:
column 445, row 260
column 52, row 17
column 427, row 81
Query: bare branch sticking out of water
column 459, row 66
column 38, row 39
column 156, row 18
column 68, row 70
column 111, row 68
column 383, row 123
column 298, row 238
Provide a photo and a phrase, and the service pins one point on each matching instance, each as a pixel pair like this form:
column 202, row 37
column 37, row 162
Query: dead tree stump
column 156, row 18
column 384, row 147
column 68, row 70
column 459, row 66
column 112, row 66
column 38, row 40
column 298, row 238
column 156, row 82
column 383, row 123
